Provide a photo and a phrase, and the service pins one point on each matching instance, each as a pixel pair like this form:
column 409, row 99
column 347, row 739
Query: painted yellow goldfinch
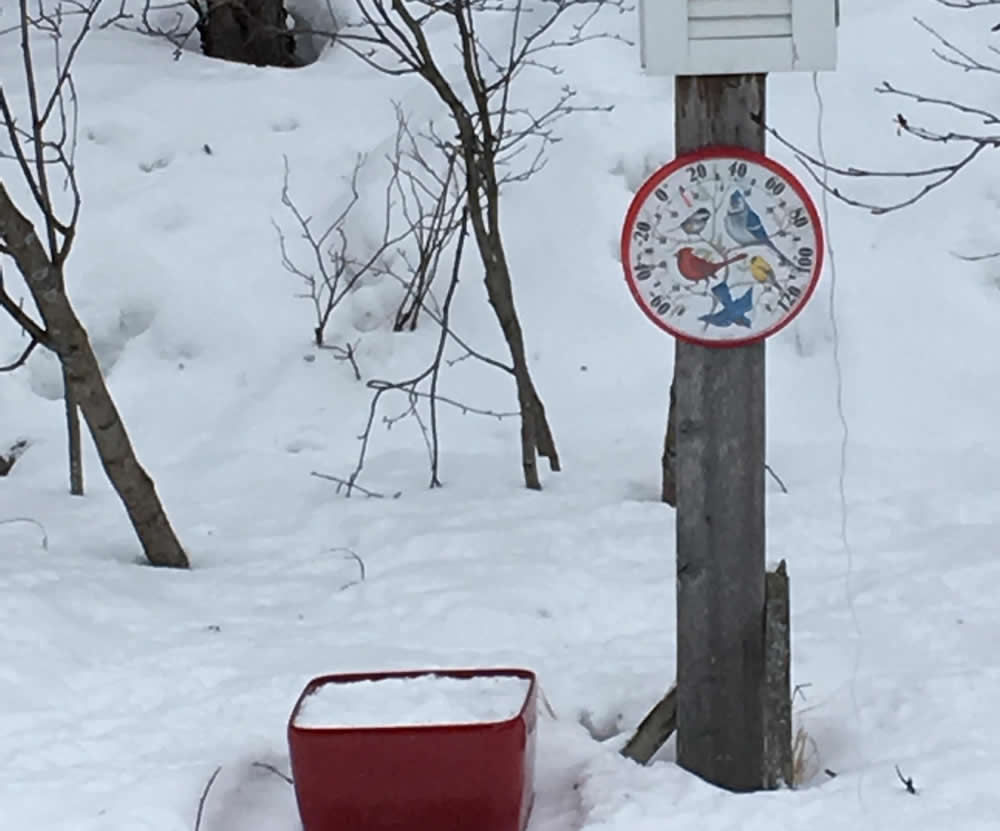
column 761, row 270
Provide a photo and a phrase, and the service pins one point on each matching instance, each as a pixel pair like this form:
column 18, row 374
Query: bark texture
column 247, row 31
column 68, row 338
column 536, row 435
column 75, row 445
column 778, row 756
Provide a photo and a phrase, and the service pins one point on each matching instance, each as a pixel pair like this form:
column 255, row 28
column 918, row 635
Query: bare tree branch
column 929, row 179
column 42, row 148
column 412, row 388
column 36, row 331
column 334, row 271
column 33, row 151
column 183, row 22
column 952, row 54
column 492, row 134
column 19, row 362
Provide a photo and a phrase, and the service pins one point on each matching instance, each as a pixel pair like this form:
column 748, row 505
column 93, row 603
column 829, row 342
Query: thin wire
column 845, row 432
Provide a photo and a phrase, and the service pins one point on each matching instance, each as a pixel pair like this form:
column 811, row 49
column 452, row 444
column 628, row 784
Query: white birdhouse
column 722, row 37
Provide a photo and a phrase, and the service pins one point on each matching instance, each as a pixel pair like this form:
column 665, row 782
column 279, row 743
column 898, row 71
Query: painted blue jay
column 745, row 226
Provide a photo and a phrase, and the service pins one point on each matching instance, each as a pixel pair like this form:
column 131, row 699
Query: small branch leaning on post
column 654, row 730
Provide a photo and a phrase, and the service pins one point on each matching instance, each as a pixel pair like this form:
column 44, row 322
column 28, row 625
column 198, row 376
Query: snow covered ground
column 123, row 687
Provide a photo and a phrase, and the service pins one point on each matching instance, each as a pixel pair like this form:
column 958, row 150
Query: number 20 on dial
column 722, row 247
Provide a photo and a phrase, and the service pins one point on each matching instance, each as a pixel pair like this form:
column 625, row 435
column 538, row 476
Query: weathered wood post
column 720, row 497
column 722, row 248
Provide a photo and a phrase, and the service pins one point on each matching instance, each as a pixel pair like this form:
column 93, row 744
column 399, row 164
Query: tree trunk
column 83, row 375
column 479, row 155
column 75, row 445
column 247, row 31
column 536, row 435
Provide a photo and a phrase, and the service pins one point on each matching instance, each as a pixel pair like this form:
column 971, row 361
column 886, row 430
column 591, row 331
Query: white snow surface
column 413, row 702
column 123, row 687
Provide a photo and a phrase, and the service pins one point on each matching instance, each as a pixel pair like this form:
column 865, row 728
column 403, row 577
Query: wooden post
column 720, row 498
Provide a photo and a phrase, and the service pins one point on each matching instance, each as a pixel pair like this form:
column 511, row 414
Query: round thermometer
column 722, row 247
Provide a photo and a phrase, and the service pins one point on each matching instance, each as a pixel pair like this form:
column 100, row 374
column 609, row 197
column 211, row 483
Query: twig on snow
column 349, row 554
column 35, row 522
column 975, row 258
column 348, row 352
column 204, row 797
column 907, row 782
column 272, row 769
column 353, row 486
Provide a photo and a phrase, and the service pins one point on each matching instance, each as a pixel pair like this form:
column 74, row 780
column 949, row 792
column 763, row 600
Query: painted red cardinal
column 694, row 267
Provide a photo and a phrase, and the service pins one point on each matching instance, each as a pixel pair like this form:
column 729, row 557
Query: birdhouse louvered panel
column 761, row 26
column 709, row 19
column 716, row 37
column 737, row 8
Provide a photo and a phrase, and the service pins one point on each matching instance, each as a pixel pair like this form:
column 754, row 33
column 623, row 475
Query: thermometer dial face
column 722, row 247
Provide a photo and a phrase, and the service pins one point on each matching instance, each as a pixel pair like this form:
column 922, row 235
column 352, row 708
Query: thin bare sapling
column 38, row 131
column 500, row 142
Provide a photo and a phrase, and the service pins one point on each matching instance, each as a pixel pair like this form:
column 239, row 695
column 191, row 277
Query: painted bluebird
column 745, row 226
column 733, row 312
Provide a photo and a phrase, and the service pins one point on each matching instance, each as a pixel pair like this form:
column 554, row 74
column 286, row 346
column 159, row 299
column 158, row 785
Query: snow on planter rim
column 411, row 702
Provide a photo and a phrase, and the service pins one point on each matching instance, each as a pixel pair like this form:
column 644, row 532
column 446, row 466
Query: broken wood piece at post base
column 778, row 755
column 661, row 722
column 654, row 730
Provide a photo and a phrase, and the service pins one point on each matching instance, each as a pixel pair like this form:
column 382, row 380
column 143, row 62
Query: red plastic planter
column 441, row 777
